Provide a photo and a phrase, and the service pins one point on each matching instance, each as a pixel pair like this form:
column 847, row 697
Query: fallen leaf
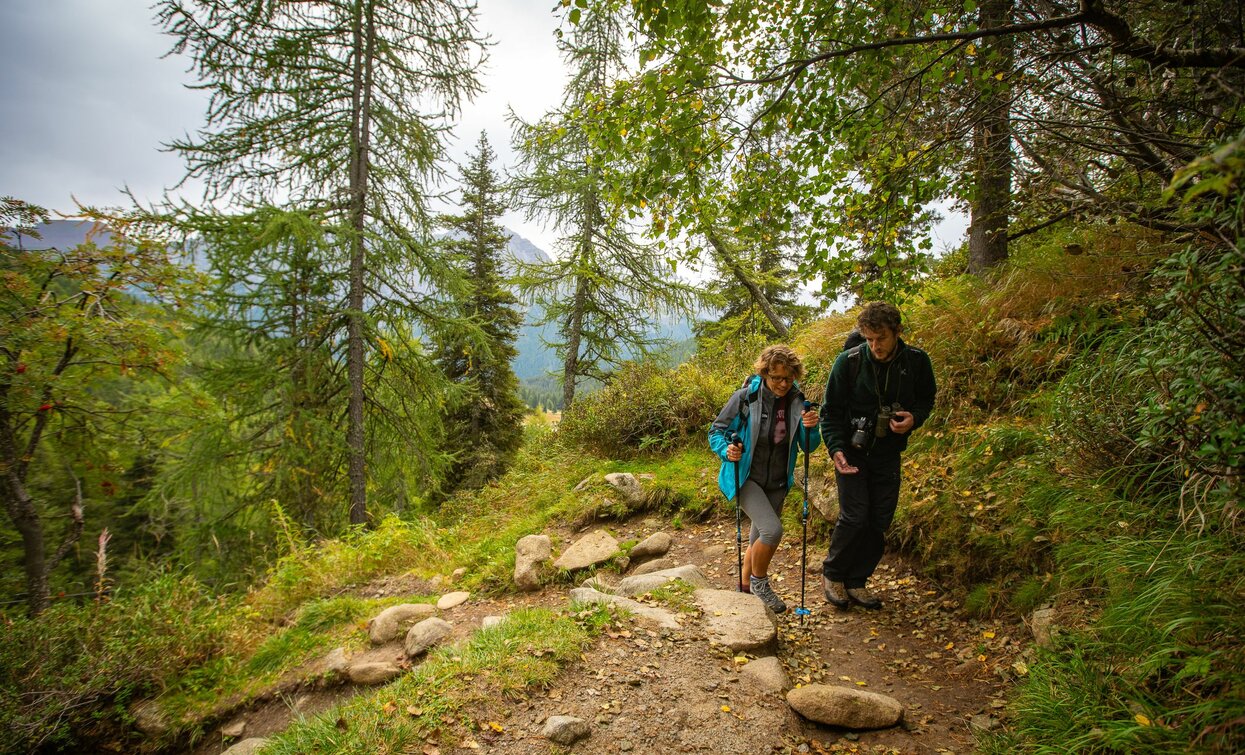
column 1142, row 719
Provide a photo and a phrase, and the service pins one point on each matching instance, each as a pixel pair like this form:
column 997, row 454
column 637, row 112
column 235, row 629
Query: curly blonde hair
column 779, row 354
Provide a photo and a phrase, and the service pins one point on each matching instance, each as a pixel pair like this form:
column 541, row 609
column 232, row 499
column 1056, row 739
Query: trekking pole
column 802, row 611
column 739, row 518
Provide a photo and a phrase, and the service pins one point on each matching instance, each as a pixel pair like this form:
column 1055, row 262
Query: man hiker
column 768, row 418
column 877, row 394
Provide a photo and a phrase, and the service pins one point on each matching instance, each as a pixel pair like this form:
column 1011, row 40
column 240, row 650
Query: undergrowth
column 432, row 703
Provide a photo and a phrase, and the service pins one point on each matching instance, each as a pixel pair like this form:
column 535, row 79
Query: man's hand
column 901, row 422
column 841, row 466
column 734, row 452
column 810, row 418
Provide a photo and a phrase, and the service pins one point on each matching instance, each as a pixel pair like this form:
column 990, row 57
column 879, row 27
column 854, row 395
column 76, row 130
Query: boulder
column 234, row 729
column 488, row 622
column 845, row 707
column 660, row 616
column 377, row 672
column 394, row 621
column 657, row 564
column 765, row 675
column 627, row 484
column 1042, row 624
column 656, row 544
column 638, row 584
column 247, row 746
column 530, row 554
column 565, row 730
column 590, row 550
column 738, row 620
column 335, row 662
column 425, row 634
column 452, row 600
column 149, row 718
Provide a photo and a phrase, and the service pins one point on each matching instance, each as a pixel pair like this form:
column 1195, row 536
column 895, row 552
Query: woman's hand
column 734, row 452
column 810, row 418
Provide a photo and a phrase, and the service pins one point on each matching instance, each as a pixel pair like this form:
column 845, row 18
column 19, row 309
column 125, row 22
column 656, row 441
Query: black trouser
column 867, row 502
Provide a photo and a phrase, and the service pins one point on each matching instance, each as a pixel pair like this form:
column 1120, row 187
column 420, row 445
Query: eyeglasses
column 781, row 380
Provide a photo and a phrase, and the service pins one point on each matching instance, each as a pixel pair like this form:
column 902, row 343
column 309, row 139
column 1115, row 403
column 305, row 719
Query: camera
column 860, row 432
column 884, row 418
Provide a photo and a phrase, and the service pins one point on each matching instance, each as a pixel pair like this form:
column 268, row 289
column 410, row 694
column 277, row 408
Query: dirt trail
column 645, row 690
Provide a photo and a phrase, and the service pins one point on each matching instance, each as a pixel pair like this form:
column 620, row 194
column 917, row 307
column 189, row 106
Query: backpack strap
column 749, row 397
column 855, row 358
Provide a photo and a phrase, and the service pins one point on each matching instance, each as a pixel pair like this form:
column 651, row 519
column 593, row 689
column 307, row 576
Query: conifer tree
column 318, row 105
column 605, row 287
column 485, row 427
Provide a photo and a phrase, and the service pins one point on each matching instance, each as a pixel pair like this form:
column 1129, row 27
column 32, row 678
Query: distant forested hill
column 536, row 366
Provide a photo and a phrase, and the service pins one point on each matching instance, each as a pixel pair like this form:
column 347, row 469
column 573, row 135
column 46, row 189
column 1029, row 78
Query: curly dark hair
column 877, row 315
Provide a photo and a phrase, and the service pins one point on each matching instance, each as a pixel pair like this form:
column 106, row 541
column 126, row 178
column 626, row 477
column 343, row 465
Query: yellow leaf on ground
column 1142, row 719
column 496, row 726
column 988, row 635
column 726, row 709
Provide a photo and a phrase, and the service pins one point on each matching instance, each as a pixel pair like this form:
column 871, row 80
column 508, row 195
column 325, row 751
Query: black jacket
column 907, row 379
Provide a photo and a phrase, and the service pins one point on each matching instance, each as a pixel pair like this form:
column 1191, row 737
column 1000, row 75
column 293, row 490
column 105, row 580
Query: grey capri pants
column 764, row 509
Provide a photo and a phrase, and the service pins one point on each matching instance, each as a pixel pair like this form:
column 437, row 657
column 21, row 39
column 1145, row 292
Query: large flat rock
column 659, row 616
column 738, row 620
column 638, row 584
column 590, row 550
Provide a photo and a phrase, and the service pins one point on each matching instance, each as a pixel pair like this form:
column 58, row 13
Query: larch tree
column 337, row 107
column 605, row 287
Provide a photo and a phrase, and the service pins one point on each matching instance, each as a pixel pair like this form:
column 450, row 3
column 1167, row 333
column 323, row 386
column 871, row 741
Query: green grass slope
column 1084, row 456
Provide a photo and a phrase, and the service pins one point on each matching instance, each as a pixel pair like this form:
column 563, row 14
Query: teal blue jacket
column 740, row 415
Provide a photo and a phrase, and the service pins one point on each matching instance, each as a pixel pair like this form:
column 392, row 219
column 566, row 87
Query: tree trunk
column 25, row 517
column 727, row 255
column 992, row 148
column 22, row 511
column 355, row 353
column 574, row 329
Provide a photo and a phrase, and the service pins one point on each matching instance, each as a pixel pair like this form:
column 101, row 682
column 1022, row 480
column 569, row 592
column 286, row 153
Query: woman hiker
column 767, row 413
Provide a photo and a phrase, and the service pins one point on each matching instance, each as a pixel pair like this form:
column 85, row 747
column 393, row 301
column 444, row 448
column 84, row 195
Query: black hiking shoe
column 836, row 593
column 761, row 589
column 863, row 598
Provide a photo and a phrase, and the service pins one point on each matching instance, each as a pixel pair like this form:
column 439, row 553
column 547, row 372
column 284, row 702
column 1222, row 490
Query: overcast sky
column 87, row 98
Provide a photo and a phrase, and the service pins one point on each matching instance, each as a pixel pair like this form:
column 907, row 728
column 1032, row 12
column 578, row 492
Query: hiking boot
column 863, row 598
column 836, row 593
column 761, row 589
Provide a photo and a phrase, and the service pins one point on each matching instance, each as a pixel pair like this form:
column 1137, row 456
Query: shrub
column 646, row 408
column 69, row 674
